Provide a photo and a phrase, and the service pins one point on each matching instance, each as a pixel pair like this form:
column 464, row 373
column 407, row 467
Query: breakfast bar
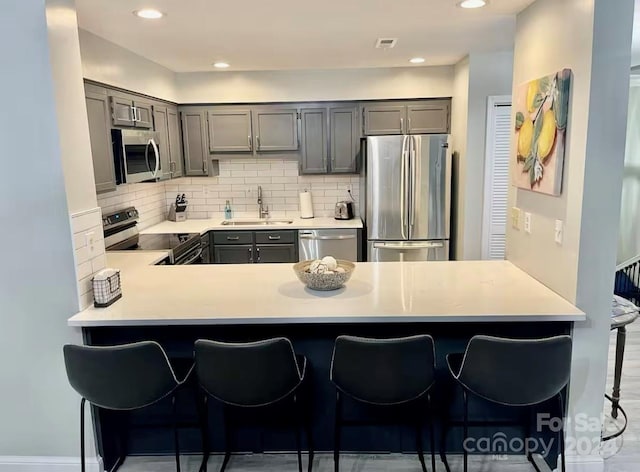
column 451, row 301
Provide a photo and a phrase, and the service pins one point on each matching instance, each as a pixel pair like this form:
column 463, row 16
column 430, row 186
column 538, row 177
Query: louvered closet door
column 496, row 179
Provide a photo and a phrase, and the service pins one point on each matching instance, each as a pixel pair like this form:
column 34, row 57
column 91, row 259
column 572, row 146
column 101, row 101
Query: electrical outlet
column 515, row 218
column 559, row 232
column 90, row 241
column 527, row 222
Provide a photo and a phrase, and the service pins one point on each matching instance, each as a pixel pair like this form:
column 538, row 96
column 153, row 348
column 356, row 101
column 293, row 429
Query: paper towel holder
column 306, row 205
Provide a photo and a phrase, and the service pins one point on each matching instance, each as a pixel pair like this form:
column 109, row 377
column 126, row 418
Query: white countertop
column 393, row 292
column 213, row 224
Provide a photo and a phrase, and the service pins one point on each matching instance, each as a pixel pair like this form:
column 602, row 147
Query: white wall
column 39, row 410
column 596, row 45
column 489, row 74
column 476, row 77
column 106, row 62
column 285, row 86
column 629, row 237
column 459, row 118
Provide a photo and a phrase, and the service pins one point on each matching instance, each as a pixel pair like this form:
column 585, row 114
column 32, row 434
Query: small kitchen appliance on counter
column 178, row 210
column 121, row 234
column 344, row 210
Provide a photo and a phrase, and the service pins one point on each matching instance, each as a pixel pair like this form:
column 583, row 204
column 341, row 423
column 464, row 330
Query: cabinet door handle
column 134, row 114
column 204, row 167
column 249, row 143
column 274, row 238
column 257, row 143
column 402, row 125
column 258, row 251
column 409, row 124
column 250, row 254
column 233, row 238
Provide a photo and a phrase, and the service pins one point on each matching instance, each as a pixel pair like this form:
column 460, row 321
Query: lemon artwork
column 532, row 94
column 525, row 138
column 547, row 135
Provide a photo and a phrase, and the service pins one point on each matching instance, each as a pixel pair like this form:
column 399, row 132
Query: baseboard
column 584, row 464
column 47, row 464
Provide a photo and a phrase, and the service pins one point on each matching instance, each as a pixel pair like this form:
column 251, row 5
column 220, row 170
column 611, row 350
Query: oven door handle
column 156, row 153
column 192, row 259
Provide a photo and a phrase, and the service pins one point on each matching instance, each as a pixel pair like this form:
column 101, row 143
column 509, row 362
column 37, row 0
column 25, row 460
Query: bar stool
column 126, row 377
column 386, row 373
column 253, row 375
column 512, row 372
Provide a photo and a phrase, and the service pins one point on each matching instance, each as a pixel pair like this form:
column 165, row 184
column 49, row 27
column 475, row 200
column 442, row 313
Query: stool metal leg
column 176, row 438
column 203, row 407
column 227, row 439
column 298, row 425
column 82, row 459
column 465, row 430
column 621, row 339
column 419, row 448
column 561, row 433
column 432, row 434
column 336, row 437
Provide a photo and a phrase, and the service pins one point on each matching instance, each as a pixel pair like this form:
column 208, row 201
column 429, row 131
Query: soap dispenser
column 227, row 211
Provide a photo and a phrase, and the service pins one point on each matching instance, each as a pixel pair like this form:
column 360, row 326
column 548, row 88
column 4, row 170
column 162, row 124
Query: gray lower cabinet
column 270, row 253
column 194, row 135
column 276, row 129
column 344, row 139
column 99, row 117
column 384, row 119
column 175, row 142
column 230, row 130
column 233, row 254
column 252, row 247
column 314, row 150
column 429, row 117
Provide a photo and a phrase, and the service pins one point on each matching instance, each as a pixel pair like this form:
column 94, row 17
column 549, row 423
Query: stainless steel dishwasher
column 339, row 243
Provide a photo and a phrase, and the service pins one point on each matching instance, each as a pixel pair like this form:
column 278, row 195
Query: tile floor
column 621, row 455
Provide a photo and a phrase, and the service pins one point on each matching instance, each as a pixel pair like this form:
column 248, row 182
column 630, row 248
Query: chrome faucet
column 263, row 211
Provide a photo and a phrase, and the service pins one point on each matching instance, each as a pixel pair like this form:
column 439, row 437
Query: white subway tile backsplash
column 238, row 182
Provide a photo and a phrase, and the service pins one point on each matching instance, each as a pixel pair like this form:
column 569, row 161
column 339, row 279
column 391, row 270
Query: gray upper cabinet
column 122, row 111
column 314, row 152
column 175, row 142
column 160, row 125
column 143, row 114
column 345, row 140
column 128, row 111
column 230, row 130
column 99, row 117
column 165, row 120
column 196, row 151
column 276, row 129
column 428, row 117
column 384, row 119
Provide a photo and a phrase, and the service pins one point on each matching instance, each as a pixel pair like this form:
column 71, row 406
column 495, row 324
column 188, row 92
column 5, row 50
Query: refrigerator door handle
column 406, row 247
column 414, row 190
column 403, row 187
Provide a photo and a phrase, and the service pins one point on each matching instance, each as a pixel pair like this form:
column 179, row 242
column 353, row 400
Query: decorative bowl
column 324, row 282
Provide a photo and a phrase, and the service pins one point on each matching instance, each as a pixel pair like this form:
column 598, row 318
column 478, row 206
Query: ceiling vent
column 386, row 43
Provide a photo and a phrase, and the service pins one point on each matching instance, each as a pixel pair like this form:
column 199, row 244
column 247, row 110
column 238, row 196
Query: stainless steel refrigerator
column 408, row 197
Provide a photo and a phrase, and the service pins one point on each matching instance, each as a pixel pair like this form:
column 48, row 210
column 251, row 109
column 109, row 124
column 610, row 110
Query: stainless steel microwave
column 137, row 156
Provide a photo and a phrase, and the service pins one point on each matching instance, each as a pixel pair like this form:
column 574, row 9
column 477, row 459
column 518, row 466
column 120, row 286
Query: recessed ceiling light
column 472, row 3
column 221, row 65
column 416, row 60
column 149, row 14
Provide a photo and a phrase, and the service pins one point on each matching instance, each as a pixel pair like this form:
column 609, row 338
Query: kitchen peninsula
column 175, row 305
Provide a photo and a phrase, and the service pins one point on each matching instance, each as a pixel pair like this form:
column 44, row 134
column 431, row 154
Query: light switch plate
column 527, row 222
column 515, row 218
column 559, row 232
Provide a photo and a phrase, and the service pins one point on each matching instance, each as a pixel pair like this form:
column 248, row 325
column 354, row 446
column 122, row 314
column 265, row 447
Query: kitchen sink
column 256, row 222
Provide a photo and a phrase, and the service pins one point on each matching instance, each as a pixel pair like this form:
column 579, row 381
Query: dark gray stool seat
column 384, row 373
column 253, row 375
column 126, row 377
column 514, row 373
